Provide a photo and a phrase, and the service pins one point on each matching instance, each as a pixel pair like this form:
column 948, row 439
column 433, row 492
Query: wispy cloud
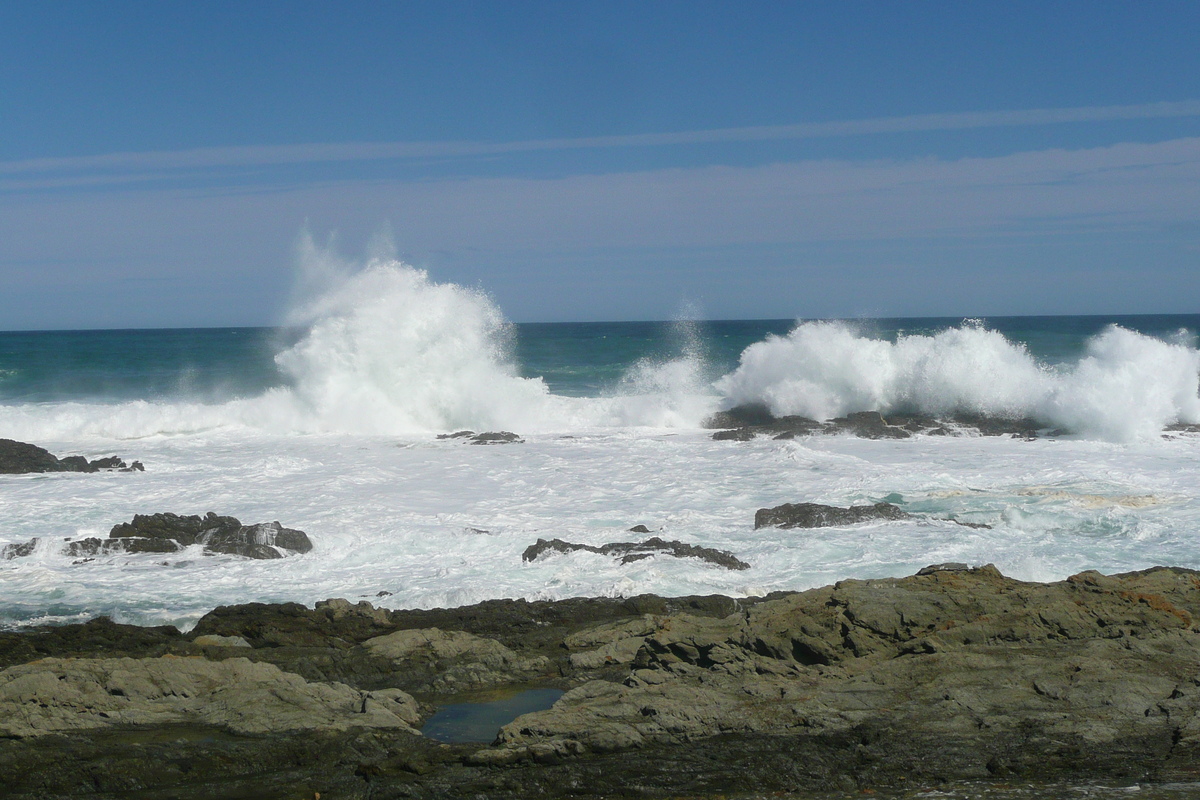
column 615, row 235
column 114, row 167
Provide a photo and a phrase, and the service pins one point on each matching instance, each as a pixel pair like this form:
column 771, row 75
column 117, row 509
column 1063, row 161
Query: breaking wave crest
column 385, row 350
column 1126, row 386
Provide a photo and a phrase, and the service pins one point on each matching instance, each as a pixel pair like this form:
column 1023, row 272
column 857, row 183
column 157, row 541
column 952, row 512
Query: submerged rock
column 815, row 515
column 867, row 425
column 636, row 551
column 496, row 437
column 487, row 437
column 749, row 421
column 18, row 458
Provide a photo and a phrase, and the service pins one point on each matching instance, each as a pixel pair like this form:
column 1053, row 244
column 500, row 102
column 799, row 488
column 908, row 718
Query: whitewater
column 379, row 359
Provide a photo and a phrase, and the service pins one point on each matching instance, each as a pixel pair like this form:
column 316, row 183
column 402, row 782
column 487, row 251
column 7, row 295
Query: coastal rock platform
column 955, row 674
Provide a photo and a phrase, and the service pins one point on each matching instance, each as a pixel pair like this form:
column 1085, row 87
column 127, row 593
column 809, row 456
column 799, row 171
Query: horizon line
column 963, row 317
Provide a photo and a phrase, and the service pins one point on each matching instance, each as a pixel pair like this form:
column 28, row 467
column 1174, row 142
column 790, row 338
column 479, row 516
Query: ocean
column 329, row 424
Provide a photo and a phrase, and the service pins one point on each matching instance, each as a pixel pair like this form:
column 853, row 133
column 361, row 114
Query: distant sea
column 575, row 359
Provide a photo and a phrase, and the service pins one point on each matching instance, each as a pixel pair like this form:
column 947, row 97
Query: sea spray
column 390, row 351
column 376, row 347
column 1128, row 385
column 675, row 390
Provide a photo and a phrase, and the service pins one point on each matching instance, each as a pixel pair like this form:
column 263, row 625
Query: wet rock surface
column 636, row 551
column 958, row 673
column 18, row 549
column 170, row 533
column 17, row 458
column 816, row 515
column 487, row 437
column 746, row 422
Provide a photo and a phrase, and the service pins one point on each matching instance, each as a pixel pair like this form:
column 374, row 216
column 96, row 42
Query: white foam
column 1128, row 386
column 389, row 351
column 401, row 515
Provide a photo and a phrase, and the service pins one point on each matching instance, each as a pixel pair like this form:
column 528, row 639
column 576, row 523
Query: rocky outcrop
column 815, row 515
column 170, row 533
column 487, row 437
column 18, row 549
column 954, row 674
column 636, row 551
column 17, row 458
column 454, row 660
column 1024, row 677
column 745, row 422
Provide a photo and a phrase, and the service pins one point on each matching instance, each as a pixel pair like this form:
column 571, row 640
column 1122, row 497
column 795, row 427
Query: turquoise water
column 574, row 359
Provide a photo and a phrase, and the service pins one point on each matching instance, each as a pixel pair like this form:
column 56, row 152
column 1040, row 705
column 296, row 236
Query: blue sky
column 602, row 161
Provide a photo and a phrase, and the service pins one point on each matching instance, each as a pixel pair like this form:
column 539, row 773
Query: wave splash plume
column 384, row 350
column 390, row 351
column 1126, row 386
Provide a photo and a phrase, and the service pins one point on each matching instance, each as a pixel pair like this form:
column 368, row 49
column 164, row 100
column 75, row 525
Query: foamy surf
column 344, row 448
column 1127, row 386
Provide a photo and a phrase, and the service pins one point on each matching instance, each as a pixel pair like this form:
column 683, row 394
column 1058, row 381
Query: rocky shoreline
column 955, row 674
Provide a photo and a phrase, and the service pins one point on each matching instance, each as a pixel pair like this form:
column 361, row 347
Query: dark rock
column 743, row 423
column 735, row 435
column 1022, row 427
column 741, row 416
column 180, row 529
column 639, row 529
column 18, row 550
column 92, row 546
column 112, row 462
column 75, row 464
column 815, row 515
column 949, row 566
column 487, row 437
column 19, row 457
column 170, row 533
column 496, row 437
column 867, row 425
column 265, row 540
column 635, row 551
column 98, row 637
